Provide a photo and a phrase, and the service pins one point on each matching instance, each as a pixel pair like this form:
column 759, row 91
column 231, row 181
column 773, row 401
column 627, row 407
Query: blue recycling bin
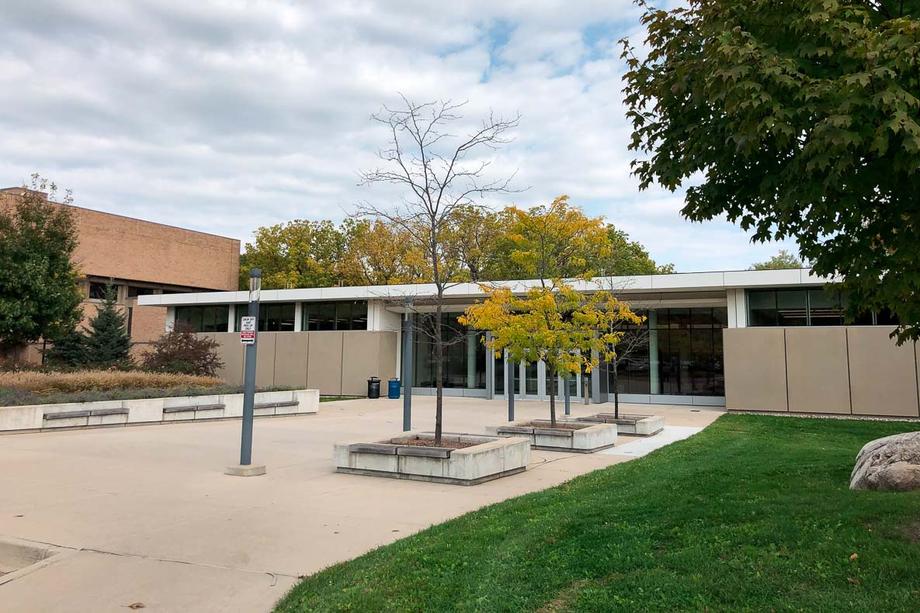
column 393, row 389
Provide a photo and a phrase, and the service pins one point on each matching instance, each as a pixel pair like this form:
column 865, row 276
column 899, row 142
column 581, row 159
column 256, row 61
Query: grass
column 754, row 513
column 40, row 387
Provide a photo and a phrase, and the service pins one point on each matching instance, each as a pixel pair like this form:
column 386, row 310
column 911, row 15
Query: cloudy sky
column 226, row 115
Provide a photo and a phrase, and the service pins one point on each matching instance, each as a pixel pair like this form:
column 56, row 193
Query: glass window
column 210, row 318
column 273, row 316
column 791, row 308
column 464, row 363
column 97, row 291
column 530, row 379
column 885, row 317
column 824, row 307
column 349, row 315
column 762, row 308
column 499, row 384
column 134, row 291
column 318, row 316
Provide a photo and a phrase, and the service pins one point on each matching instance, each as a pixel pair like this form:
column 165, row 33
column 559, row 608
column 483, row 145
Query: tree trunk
column 552, row 397
column 616, row 389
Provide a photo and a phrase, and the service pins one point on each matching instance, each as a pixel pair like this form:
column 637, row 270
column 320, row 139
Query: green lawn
column 753, row 513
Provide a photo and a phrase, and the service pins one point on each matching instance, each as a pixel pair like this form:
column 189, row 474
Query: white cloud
column 223, row 116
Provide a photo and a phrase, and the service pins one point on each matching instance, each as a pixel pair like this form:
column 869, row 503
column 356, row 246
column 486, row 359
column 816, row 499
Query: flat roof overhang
column 639, row 284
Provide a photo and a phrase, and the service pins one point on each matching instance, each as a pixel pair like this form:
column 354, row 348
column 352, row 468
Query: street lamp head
column 255, row 283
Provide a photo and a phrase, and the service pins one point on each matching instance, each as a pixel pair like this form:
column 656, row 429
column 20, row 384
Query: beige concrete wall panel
column 883, row 376
column 265, row 358
column 360, row 360
column 817, row 371
column 755, row 369
column 291, row 359
column 230, row 351
column 324, row 362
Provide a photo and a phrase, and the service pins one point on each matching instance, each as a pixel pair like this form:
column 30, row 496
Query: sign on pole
column 248, row 330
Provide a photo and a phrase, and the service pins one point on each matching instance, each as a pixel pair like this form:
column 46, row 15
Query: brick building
column 143, row 258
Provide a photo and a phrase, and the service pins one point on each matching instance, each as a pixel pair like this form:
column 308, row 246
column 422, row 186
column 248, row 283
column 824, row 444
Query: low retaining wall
column 581, row 438
column 153, row 410
column 637, row 425
column 489, row 459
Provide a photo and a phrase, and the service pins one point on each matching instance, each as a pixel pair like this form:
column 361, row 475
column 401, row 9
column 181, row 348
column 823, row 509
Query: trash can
column 393, row 389
column 373, row 387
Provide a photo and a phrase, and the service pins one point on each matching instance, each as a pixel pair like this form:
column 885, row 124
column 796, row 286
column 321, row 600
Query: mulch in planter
column 446, row 443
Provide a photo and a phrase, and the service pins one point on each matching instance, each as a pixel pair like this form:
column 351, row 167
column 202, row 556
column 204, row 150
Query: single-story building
column 773, row 340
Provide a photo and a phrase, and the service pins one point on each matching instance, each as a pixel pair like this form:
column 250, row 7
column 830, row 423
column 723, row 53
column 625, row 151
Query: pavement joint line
column 274, row 575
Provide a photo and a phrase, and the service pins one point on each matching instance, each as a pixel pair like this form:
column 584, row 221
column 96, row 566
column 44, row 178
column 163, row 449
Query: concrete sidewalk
column 146, row 515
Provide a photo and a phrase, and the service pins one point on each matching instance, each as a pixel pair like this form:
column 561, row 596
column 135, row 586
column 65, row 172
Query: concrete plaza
column 145, row 514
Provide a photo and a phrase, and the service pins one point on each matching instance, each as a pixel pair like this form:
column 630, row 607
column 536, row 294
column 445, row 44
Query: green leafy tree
column 780, row 261
column 555, row 241
column 555, row 324
column 802, row 119
column 184, row 352
column 39, row 294
column 108, row 343
column 299, row 253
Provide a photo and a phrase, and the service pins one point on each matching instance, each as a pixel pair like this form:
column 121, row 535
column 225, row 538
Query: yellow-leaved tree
column 566, row 329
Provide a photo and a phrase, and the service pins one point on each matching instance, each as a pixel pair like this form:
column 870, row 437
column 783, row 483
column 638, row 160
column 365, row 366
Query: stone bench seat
column 104, row 412
column 67, row 414
column 276, row 405
column 424, row 452
column 378, row 448
column 194, row 407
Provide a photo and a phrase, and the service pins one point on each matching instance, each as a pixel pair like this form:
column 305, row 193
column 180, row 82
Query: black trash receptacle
column 373, row 387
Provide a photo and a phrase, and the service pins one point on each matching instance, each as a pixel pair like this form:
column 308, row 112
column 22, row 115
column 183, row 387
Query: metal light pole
column 407, row 367
column 567, row 394
column 509, row 387
column 248, row 335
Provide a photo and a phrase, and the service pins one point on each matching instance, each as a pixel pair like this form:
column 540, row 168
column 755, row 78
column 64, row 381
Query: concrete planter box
column 77, row 415
column 578, row 437
column 637, row 425
column 490, row 458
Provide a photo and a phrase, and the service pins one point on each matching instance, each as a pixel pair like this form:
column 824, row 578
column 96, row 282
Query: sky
column 223, row 116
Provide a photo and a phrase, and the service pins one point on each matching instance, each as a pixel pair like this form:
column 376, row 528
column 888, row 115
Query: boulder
column 889, row 463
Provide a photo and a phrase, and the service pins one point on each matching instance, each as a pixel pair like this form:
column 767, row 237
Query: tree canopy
column 780, row 261
column 477, row 244
column 39, row 295
column 565, row 329
column 801, row 119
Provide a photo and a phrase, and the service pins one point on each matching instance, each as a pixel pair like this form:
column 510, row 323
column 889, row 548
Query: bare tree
column 440, row 173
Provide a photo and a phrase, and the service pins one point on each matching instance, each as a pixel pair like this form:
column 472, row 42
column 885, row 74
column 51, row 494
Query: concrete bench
column 104, row 412
column 378, row 448
column 194, row 407
column 66, row 415
column 424, row 452
column 276, row 405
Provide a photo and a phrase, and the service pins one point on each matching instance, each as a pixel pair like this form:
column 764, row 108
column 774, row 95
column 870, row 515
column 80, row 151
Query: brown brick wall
column 126, row 248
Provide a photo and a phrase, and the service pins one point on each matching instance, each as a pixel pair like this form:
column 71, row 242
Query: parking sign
column 248, row 330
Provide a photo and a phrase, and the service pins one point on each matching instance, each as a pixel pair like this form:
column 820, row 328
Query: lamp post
column 248, row 334
column 407, row 366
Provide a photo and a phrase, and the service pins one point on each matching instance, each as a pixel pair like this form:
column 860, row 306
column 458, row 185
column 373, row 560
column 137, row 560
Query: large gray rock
column 889, row 463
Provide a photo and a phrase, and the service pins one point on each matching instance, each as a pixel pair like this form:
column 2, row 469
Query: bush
column 98, row 380
column 181, row 351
